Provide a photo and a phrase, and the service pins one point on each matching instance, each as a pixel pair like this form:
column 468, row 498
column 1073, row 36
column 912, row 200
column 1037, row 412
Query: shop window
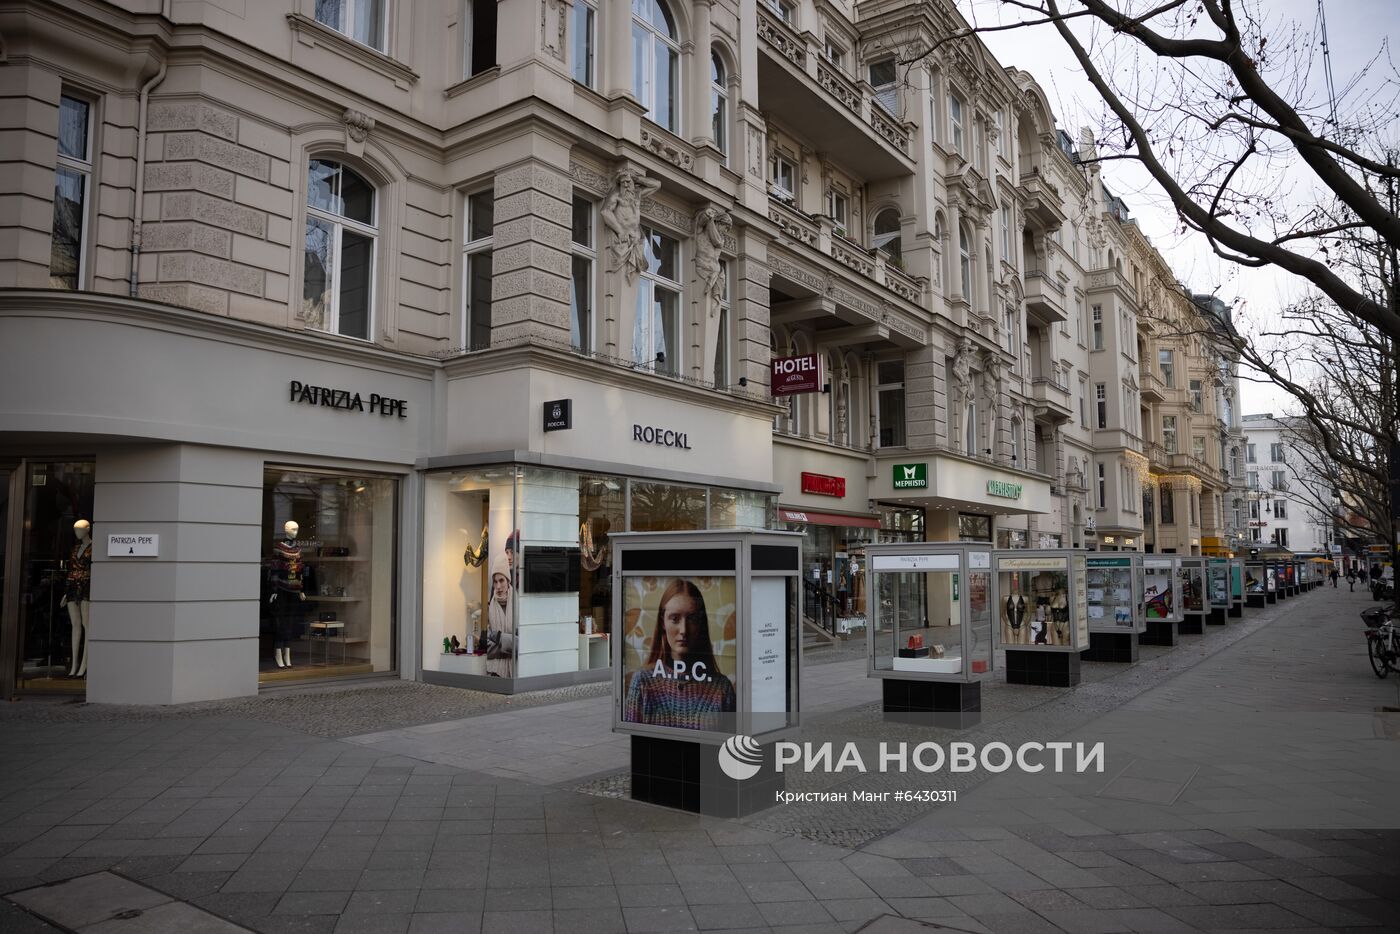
column 661, row 507
column 585, row 18
column 72, row 183
column 330, row 557
column 719, row 104
column 341, row 237
column 655, row 62
column 585, row 255
column 655, row 336
column 361, row 20
column 973, row 528
column 741, row 509
column 889, row 396
column 54, row 572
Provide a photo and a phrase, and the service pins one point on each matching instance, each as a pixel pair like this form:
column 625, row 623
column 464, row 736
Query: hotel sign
column 911, row 476
column 1003, row 489
column 791, row 375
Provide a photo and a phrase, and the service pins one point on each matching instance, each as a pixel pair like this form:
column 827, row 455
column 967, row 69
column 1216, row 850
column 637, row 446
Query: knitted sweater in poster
column 678, row 702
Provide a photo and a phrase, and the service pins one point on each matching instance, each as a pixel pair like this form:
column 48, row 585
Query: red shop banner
column 823, row 485
column 791, row 375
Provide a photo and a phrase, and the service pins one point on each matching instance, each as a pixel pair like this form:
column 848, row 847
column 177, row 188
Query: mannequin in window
column 1015, row 610
column 288, row 594
column 77, row 588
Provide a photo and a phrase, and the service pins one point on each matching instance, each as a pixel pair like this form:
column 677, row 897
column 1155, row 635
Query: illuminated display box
column 1237, row 588
column 930, row 637
column 1161, row 599
column 708, row 654
column 1042, row 609
column 1195, row 602
column 1113, row 598
column 1217, row 590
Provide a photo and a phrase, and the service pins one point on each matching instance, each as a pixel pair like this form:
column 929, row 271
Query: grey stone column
column 922, row 381
column 750, row 309
column 531, row 254
column 182, row 626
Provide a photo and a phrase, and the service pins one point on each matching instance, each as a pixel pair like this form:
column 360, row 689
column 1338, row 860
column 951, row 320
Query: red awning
column 827, row 518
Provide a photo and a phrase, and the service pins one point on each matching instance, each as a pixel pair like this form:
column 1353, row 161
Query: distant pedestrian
column 1351, row 579
column 1334, row 576
column 1375, row 573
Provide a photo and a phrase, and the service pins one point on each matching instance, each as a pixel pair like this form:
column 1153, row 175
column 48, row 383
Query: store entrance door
column 8, row 598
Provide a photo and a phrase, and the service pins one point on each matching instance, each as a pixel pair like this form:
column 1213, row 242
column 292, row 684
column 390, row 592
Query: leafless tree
column 1212, row 98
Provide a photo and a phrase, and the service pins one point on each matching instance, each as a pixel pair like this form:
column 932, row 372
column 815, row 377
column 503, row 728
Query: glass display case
column 1113, row 599
column 1217, row 589
column 1195, row 602
column 1271, row 583
column 952, row 639
column 1041, row 602
column 1256, row 586
column 1237, row 588
column 1161, row 599
column 930, row 639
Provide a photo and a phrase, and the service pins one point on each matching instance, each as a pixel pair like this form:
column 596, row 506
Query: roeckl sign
column 791, row 375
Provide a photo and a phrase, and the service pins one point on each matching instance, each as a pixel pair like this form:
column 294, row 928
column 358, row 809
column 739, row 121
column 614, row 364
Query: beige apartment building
column 337, row 337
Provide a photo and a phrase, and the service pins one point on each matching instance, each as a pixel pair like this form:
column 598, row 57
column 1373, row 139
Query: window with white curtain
column 719, row 104
column 955, row 122
column 656, row 342
column 361, row 20
column 656, row 54
column 884, row 79
column 585, row 255
column 964, row 265
column 887, row 233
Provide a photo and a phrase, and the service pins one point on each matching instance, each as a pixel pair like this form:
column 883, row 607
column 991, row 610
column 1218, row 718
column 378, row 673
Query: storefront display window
column 1109, row 594
column 53, row 575
column 532, row 595
column 973, row 528
column 1193, row 588
column 329, row 560
column 1011, row 538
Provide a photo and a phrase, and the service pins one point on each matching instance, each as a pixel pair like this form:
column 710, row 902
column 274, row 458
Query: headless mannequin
column 75, row 597
column 287, row 594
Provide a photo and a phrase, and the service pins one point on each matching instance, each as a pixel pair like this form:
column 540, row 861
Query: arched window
column 338, row 277
column 656, row 57
column 719, row 104
column 964, row 265
column 887, row 233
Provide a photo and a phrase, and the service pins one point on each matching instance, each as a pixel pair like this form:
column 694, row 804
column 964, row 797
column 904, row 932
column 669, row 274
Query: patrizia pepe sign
column 1003, row 489
column 346, row 400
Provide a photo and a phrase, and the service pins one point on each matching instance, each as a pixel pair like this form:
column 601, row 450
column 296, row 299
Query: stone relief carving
column 357, row 125
column 552, row 19
column 962, row 373
column 589, row 178
column 622, row 215
column 666, row 149
column 711, row 224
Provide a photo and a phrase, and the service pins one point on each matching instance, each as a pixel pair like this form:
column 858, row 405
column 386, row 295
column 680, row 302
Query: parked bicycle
column 1382, row 639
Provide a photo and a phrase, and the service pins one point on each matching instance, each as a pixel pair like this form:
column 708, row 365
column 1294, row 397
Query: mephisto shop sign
column 304, row 394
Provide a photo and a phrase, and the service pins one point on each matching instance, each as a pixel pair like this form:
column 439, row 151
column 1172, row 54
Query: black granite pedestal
column 1216, row 617
column 1159, row 632
column 1271, row 596
column 1192, row 624
column 1236, row 610
column 1111, row 647
column 1280, row 593
column 687, row 776
column 1053, row 669
column 949, row 705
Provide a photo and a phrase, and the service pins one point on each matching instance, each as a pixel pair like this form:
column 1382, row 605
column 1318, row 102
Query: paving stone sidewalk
column 279, row 830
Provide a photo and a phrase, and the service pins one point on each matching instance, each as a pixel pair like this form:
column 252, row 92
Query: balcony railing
column 856, row 97
column 819, row 234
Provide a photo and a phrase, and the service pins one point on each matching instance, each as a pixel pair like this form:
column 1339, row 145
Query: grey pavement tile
column 1328, row 913
column 15, row 920
column 905, row 886
column 79, row 902
column 664, row 918
column 517, row 922
column 1045, row 899
column 791, row 913
column 1242, row 893
column 324, row 880
column 450, row 900
column 584, row 896
column 312, row 903
column 399, row 902
column 521, row 899
column 986, row 903
column 372, row 880
column 776, row 891
column 170, row 918
column 1385, row 912
column 372, row 924
column 957, row 885
column 258, row 880
column 1237, row 917
column 1024, row 922
column 715, row 893
column 649, row 895
column 589, row 921
column 445, row 923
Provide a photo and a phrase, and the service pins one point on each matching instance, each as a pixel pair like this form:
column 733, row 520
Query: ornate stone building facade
column 396, row 272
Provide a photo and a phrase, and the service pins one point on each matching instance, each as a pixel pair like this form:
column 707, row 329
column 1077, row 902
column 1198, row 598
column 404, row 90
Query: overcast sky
column 1356, row 29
